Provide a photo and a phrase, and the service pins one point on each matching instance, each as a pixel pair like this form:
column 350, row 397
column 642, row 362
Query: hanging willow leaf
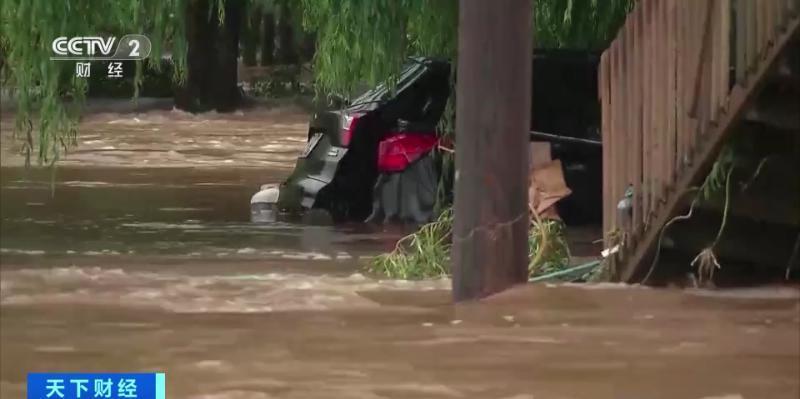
column 364, row 41
column 48, row 94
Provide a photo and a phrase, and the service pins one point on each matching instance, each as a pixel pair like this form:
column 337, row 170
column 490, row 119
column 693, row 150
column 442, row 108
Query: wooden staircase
column 679, row 79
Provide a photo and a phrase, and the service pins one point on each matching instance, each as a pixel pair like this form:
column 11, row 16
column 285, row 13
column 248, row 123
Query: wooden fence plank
column 609, row 132
column 618, row 128
column 624, row 79
column 725, row 55
column 605, row 109
column 698, row 83
column 657, row 105
column 759, row 27
column 643, row 139
column 672, row 59
column 705, row 93
column 648, row 100
column 714, row 60
column 630, row 117
column 766, row 28
column 741, row 41
column 667, row 105
column 608, row 138
column 622, row 121
column 683, row 79
column 762, row 23
column 784, row 12
column 777, row 23
column 774, row 20
column 704, row 83
column 664, row 108
column 752, row 34
column 654, row 112
column 690, row 69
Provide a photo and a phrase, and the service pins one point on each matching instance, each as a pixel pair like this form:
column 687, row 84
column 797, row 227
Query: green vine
column 718, row 180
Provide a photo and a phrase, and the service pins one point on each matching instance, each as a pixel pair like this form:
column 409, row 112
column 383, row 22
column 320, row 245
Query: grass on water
column 426, row 253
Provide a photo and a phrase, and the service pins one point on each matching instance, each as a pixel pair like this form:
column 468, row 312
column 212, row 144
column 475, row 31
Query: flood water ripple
column 142, row 259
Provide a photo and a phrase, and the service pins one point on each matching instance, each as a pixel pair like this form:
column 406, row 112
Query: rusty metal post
column 493, row 116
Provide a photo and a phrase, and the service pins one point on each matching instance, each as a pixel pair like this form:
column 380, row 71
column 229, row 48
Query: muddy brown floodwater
column 143, row 260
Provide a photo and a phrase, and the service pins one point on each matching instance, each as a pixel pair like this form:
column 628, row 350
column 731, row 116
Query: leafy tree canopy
column 363, row 41
column 358, row 41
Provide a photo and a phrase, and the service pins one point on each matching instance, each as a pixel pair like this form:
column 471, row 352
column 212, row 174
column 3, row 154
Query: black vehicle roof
column 417, row 65
column 539, row 53
column 409, row 73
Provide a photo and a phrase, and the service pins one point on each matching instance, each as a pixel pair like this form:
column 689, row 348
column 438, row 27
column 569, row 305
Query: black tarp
column 408, row 196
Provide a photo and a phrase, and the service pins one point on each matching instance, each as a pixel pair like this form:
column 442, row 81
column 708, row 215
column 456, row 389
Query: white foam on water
column 748, row 293
column 164, row 226
column 73, row 183
column 319, row 256
column 15, row 251
column 125, row 121
column 185, row 209
column 601, row 286
column 181, row 293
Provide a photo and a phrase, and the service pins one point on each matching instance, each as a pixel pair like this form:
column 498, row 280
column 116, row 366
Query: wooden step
column 743, row 240
column 778, row 105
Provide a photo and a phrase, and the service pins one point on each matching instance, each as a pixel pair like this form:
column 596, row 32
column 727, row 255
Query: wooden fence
column 667, row 88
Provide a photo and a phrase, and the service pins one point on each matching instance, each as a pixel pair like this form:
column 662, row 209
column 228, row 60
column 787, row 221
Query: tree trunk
column 212, row 58
column 493, row 98
column 287, row 53
column 309, row 46
column 250, row 41
column 268, row 40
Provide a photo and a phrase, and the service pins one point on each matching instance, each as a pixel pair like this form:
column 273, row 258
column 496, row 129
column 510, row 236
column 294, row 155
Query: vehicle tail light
column 399, row 150
column 349, row 123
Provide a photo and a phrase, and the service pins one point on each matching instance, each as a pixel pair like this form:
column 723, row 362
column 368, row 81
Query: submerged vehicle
column 374, row 159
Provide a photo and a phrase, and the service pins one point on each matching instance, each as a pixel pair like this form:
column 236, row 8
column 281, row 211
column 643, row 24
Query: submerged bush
column 426, row 253
column 423, row 254
column 547, row 248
